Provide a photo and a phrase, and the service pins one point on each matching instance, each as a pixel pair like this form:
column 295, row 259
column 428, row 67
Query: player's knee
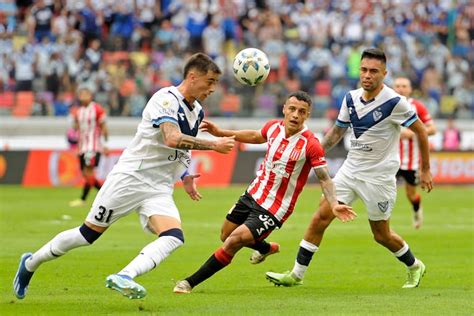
column 89, row 234
column 224, row 235
column 177, row 233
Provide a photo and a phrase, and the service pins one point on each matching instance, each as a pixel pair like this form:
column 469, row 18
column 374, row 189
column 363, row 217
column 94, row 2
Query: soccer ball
column 251, row 66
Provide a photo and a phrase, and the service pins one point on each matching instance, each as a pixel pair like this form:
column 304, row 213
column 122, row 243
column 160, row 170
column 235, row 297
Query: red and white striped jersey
column 285, row 169
column 89, row 119
column 409, row 153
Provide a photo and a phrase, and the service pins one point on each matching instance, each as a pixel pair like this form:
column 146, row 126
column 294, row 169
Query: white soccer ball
column 251, row 66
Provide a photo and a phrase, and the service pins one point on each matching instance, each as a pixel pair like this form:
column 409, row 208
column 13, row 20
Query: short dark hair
column 202, row 63
column 374, row 53
column 302, row 96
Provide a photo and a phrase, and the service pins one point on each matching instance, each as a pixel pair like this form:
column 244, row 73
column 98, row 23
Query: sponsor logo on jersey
column 359, row 146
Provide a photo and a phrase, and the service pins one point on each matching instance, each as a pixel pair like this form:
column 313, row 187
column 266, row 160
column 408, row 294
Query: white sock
column 58, row 246
column 300, row 269
column 151, row 256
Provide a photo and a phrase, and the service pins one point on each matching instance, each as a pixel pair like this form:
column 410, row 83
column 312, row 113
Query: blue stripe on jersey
column 343, row 124
column 184, row 123
column 410, row 121
column 157, row 122
column 377, row 115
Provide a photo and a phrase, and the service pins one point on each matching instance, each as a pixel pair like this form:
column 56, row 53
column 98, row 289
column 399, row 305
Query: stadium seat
column 23, row 103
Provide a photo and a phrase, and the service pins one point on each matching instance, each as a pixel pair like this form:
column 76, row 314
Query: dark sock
column 216, row 262
column 97, row 184
column 85, row 191
column 407, row 258
column 261, row 246
column 416, row 203
column 304, row 256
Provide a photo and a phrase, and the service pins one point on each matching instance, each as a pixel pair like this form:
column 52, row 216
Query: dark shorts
column 260, row 221
column 90, row 159
column 410, row 176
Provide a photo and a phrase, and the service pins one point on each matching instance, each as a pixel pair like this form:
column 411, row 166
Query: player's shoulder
column 165, row 97
column 417, row 104
column 352, row 95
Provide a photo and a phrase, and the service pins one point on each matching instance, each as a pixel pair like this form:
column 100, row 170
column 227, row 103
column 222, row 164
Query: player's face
column 85, row 96
column 372, row 73
column 203, row 84
column 402, row 86
column 296, row 112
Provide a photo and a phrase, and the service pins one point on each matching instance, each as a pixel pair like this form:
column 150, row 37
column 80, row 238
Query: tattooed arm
column 333, row 137
column 174, row 138
column 341, row 211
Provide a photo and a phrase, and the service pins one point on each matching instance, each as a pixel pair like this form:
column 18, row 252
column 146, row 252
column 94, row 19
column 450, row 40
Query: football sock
column 406, row 256
column 261, row 246
column 303, row 258
column 58, row 246
column 216, row 262
column 154, row 253
column 85, row 191
column 416, row 203
column 97, row 184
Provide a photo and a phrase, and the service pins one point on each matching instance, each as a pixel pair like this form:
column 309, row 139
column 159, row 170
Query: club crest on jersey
column 295, row 153
column 383, row 206
column 377, row 115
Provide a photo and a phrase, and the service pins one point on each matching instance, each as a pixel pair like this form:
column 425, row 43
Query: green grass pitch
column 350, row 274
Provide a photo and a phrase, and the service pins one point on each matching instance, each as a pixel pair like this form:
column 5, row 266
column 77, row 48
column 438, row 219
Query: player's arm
column 430, row 128
column 243, row 136
column 425, row 174
column 341, row 211
column 174, row 138
column 333, row 137
column 105, row 137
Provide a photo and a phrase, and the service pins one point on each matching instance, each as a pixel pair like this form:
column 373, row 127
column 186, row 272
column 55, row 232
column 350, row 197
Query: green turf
column 351, row 274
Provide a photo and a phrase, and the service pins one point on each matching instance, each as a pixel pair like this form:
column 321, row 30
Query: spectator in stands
column 40, row 21
column 451, row 136
column 24, row 63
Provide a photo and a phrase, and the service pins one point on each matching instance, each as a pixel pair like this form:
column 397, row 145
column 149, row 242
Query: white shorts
column 122, row 193
column 378, row 199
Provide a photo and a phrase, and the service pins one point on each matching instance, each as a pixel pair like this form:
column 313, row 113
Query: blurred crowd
column 128, row 49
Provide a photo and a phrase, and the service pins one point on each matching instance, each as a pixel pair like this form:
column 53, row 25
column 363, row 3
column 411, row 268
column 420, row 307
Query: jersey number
column 267, row 223
column 103, row 215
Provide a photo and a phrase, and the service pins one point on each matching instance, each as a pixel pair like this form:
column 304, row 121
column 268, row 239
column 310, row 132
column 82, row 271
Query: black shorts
column 410, row 176
column 260, row 221
column 90, row 159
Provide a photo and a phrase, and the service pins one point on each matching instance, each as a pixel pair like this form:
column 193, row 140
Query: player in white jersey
column 292, row 151
column 409, row 154
column 89, row 120
column 143, row 180
column 375, row 112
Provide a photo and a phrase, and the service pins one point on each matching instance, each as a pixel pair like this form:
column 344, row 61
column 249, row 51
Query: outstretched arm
column 333, row 137
column 426, row 180
column 243, row 136
column 341, row 211
column 175, row 139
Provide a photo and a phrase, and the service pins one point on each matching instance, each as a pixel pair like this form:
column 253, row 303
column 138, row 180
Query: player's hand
column 210, row 127
column 224, row 145
column 344, row 212
column 106, row 151
column 190, row 186
column 426, row 181
column 406, row 133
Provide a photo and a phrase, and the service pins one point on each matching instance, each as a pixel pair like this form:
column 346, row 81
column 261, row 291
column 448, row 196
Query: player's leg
column 393, row 242
column 308, row 246
column 86, row 186
column 314, row 234
column 379, row 200
column 415, row 200
column 221, row 258
column 62, row 243
column 258, row 225
column 160, row 216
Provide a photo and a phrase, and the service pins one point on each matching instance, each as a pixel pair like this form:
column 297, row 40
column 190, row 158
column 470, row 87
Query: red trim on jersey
column 299, row 187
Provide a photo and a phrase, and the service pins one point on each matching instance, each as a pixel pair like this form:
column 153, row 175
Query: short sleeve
column 163, row 108
column 403, row 113
column 422, row 112
column 343, row 119
column 266, row 127
column 315, row 154
column 101, row 116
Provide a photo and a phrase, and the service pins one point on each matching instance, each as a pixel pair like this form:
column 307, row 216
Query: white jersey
column 147, row 157
column 373, row 154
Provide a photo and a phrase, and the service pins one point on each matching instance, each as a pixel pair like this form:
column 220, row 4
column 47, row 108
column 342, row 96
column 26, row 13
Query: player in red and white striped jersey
column 292, row 151
column 89, row 120
column 409, row 153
